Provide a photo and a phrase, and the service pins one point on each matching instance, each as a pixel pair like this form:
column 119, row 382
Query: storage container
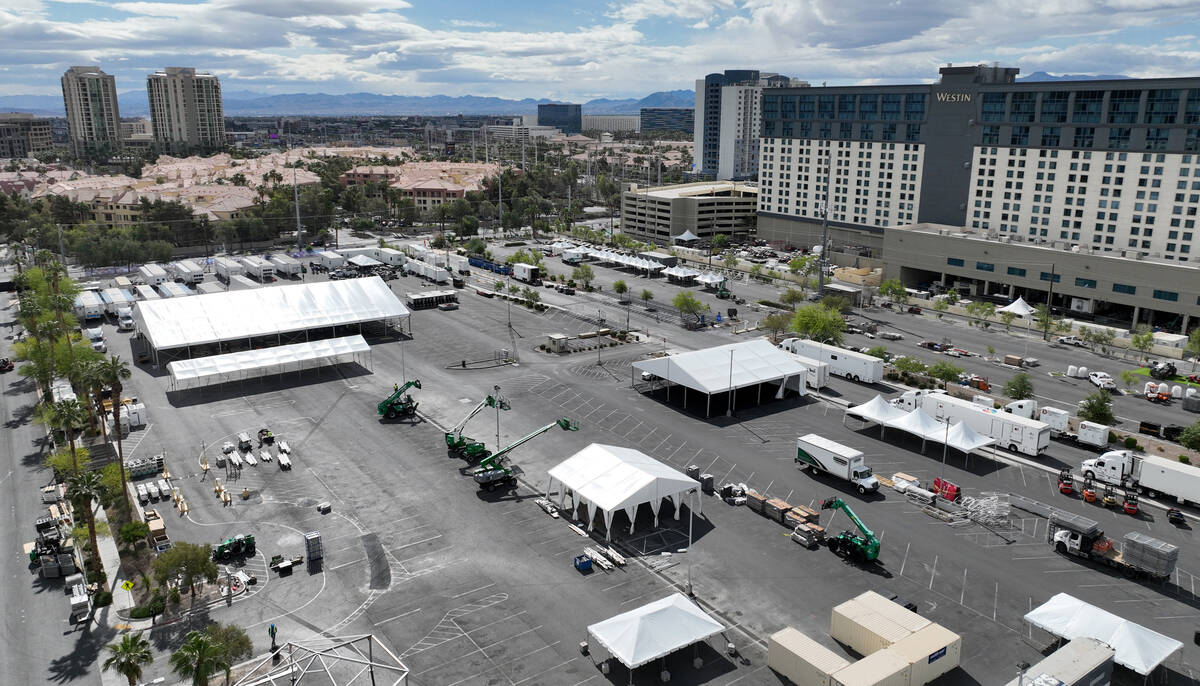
column 801, row 659
column 881, row 668
column 930, row 652
column 900, row 615
column 1083, row 661
column 863, row 629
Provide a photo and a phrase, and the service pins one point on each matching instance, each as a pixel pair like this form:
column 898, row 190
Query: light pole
column 1021, row 667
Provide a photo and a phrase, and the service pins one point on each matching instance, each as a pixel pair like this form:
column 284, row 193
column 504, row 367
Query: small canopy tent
column 920, row 424
column 610, row 479
column 680, row 274
column 726, row 368
column 964, row 438
column 247, row 364
column 709, row 279
column 656, row 630
column 364, row 262
column 1137, row 648
column 876, row 410
column 686, row 237
column 1018, row 307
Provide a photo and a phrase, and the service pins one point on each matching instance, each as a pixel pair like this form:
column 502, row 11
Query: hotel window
column 1019, row 136
column 1054, row 107
column 1171, row 296
column 912, row 133
column 954, row 261
column 868, row 106
column 1051, row 135
column 1123, row 288
column 845, row 130
column 846, row 106
column 1086, row 283
column 866, row 132
column 1047, row 276
column 1022, row 107
column 1123, row 107
column 804, row 107
column 771, row 107
column 914, row 107
column 890, row 109
column 1118, row 137
column 1191, row 142
column 889, row 132
column 1162, row 106
column 1085, row 136
column 993, row 107
column 991, row 135
column 1016, row 271
column 985, row 266
column 1089, row 105
column 825, row 107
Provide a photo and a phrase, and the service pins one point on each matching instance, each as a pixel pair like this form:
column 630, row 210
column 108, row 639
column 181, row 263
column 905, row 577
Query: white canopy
column 1138, row 648
column 710, row 278
column 364, row 261
column 920, row 424
column 1018, row 307
column 251, row 363
column 877, row 410
column 681, row 272
column 725, row 367
column 687, row 236
column 610, row 478
column 655, row 630
column 966, row 439
column 239, row 315
column 625, row 260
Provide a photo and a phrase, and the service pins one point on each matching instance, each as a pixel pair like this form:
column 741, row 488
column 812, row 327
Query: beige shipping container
column 894, row 611
column 801, row 659
column 931, row 652
column 881, row 668
column 863, row 629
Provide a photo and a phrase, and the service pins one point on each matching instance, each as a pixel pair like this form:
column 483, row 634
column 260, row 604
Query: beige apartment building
column 93, row 117
column 185, row 110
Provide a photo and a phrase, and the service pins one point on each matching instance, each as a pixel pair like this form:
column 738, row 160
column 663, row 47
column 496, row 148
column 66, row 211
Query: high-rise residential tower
column 93, row 118
column 566, row 117
column 185, row 110
column 727, row 120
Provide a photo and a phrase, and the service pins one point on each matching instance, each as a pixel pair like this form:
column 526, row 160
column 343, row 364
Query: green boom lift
column 723, row 292
column 234, row 547
column 398, row 403
column 492, row 470
column 861, row 547
column 458, row 444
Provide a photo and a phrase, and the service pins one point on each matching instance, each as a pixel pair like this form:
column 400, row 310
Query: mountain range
column 248, row 103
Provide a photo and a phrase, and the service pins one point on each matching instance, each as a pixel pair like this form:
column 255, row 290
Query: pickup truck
column 1071, row 340
column 1102, row 380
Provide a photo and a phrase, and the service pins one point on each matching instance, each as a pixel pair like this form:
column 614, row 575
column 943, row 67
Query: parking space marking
column 403, row 614
column 347, row 564
column 557, row 666
column 472, row 591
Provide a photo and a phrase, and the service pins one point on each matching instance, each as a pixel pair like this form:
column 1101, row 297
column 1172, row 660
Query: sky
column 579, row 49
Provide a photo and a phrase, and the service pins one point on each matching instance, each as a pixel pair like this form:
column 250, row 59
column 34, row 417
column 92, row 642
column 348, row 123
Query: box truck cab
column 821, row 454
column 125, row 319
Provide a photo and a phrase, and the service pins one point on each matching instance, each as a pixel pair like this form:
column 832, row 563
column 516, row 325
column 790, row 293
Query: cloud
column 472, row 24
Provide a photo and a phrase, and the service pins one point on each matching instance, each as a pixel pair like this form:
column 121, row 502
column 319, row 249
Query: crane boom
column 494, row 459
column 866, row 544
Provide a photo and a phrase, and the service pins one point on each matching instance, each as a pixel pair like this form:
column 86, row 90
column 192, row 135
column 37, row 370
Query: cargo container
column 801, row 659
column 285, row 265
column 892, row 610
column 209, row 287
column 881, row 668
column 120, row 282
column 864, row 630
column 458, row 264
column 330, row 260
column 395, row 257
column 844, row 363
column 116, row 298
column 174, row 290
column 930, row 652
column 1082, row 662
column 152, row 274
column 187, row 271
column 527, row 273
column 1089, row 434
column 227, row 267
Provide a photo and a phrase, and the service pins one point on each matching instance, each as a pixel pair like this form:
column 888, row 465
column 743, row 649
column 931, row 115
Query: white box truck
column 1014, row 432
column 187, row 271
column 209, row 287
column 116, row 298
column 241, row 282
column 227, row 267
column 526, row 273
column 1089, row 434
column 144, row 292
column 89, row 306
column 844, row 363
column 1149, row 474
column 285, row 265
column 459, row 264
column 821, row 454
column 152, row 274
column 330, row 260
column 259, row 269
column 172, row 289
column 818, row 372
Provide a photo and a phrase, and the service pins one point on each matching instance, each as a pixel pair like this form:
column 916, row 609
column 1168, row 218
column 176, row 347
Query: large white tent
column 1137, row 648
column 1018, row 307
column 920, row 424
column 655, row 630
column 726, row 368
column 709, row 279
column 680, row 273
column 242, row 315
column 876, row 410
column 610, row 479
column 247, row 364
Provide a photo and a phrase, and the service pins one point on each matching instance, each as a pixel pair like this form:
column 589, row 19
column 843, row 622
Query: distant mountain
column 248, row 103
column 1043, row 76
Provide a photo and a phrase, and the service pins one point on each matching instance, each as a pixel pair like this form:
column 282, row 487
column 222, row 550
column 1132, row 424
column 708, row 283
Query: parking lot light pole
column 496, row 390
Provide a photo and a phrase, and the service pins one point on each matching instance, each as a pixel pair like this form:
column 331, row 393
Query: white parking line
column 403, row 614
column 472, row 591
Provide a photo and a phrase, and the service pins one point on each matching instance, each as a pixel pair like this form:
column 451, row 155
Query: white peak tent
column 709, row 279
column 1018, row 307
column 875, row 410
column 655, row 630
column 920, row 424
column 610, row 479
column 966, row 439
column 1137, row 648
column 278, row 359
column 686, row 236
column 364, row 261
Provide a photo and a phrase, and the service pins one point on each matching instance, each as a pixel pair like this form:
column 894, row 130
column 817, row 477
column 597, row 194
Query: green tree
column 115, row 370
column 801, row 265
column 688, row 305
column 893, row 291
column 584, row 275
column 792, row 297
column 128, row 656
column 620, row 287
column 84, row 489
column 133, row 533
column 200, row 658
column 837, row 303
column 820, row 323
column 1007, row 318
column 1129, row 378
column 730, row 261
column 192, row 562
column 1019, row 387
column 909, row 365
column 1193, row 346
column 647, row 295
column 944, row 371
column 1142, row 341
column 234, row 641
column 1190, row 437
column 68, row 416
column 719, row 243
column 776, row 322
column 1043, row 320
column 878, row 351
column 1097, row 408
column 62, row 462
column 982, row 312
column 940, row 306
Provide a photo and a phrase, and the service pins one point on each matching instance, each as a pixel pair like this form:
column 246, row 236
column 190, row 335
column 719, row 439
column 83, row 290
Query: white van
column 125, row 319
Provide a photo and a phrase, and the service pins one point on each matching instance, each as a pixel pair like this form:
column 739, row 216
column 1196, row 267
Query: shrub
column 102, row 599
column 1130, row 443
column 174, row 597
column 1185, row 459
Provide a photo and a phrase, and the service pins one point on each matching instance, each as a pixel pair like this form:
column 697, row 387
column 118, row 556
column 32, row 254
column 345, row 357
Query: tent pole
column 729, row 410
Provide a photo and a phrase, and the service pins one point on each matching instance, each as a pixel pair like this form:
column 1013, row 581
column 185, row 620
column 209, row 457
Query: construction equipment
column 1110, row 496
column 1066, row 483
column 1130, row 504
column 458, row 444
column 242, row 544
column 1175, row 516
column 1164, row 371
column 1089, row 490
column 399, row 403
column 860, row 547
column 492, row 470
column 1136, row 555
column 723, row 292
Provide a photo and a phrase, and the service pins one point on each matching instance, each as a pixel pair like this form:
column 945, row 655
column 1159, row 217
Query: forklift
column 1110, row 496
column 1130, row 504
column 1089, row 491
column 398, row 403
column 1066, row 483
column 860, row 547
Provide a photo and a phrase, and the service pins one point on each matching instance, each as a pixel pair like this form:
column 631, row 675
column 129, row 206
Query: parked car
column 891, row 336
column 1102, row 380
column 913, row 309
column 931, row 345
column 1071, row 340
column 446, row 307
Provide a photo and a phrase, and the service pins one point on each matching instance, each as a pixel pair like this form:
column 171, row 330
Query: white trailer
column 460, row 264
column 115, row 298
column 171, row 289
column 1149, row 474
column 330, row 260
column 209, row 287
column 821, row 454
column 526, row 273
column 241, row 282
column 1017, row 433
column 391, row 256
column 227, row 267
column 844, row 363
column 145, row 292
column 120, row 282
column 152, row 274
column 285, row 265
column 1089, row 434
column 89, row 305
column 258, row 268
column 187, row 271
column 818, row 372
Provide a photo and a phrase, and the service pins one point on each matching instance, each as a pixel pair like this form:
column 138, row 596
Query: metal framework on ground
column 329, row 660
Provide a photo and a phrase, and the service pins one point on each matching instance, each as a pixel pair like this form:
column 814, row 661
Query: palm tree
column 199, row 658
column 90, row 380
column 68, row 416
column 114, row 370
column 127, row 657
column 83, row 489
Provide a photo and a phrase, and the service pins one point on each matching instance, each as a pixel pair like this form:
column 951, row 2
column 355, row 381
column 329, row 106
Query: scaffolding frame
column 332, row 660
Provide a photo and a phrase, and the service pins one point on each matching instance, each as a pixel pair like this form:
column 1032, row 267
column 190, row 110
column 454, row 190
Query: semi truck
column 187, row 271
column 818, row 372
column 116, row 298
column 1136, row 555
column 227, row 267
column 152, row 274
column 1088, row 434
column 844, row 363
column 258, row 268
column 1150, row 475
column 527, row 273
column 821, row 454
column 88, row 306
column 1011, row 431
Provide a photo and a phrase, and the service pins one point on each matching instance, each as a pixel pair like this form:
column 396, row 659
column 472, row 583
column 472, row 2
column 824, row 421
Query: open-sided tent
column 726, row 368
column 680, row 274
column 655, row 630
column 364, row 261
column 247, row 364
column 686, row 237
column 876, row 410
column 709, row 279
column 1137, row 648
column 920, row 424
column 1018, row 307
column 610, row 479
column 964, row 438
